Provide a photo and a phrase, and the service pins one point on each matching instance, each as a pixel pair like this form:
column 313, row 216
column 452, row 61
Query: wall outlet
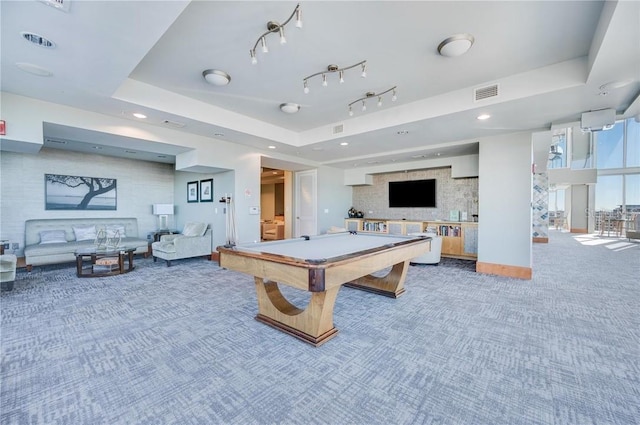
column 15, row 246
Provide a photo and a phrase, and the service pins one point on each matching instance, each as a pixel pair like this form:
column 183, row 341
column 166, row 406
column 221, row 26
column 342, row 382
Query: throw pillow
column 85, row 233
column 52, row 236
column 194, row 229
column 111, row 230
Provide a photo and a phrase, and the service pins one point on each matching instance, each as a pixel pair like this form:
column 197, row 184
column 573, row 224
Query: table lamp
column 163, row 211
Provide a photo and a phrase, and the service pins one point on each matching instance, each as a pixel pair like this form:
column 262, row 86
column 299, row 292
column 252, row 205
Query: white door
column 306, row 219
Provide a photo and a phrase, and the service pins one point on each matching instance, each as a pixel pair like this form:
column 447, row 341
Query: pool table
column 321, row 265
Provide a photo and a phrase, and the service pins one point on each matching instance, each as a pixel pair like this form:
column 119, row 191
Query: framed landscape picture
column 206, row 190
column 63, row 192
column 192, row 191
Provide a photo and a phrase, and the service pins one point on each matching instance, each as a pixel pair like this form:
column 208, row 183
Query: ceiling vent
column 62, row 5
column 337, row 129
column 173, row 124
column 483, row 93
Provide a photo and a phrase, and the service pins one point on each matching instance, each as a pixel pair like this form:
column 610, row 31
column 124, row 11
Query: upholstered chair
column 433, row 256
column 194, row 241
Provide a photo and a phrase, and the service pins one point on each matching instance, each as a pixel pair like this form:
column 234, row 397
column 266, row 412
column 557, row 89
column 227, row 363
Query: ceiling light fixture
column 333, row 69
column 271, row 147
column 370, row 95
column 139, row 115
column 344, row 144
column 483, row 117
column 216, row 77
column 34, row 69
column 275, row 27
column 289, row 108
column 456, row 45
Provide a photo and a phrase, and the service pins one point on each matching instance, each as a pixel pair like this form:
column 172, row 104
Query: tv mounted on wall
column 412, row 193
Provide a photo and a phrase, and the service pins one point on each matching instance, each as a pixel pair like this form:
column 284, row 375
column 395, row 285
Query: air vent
column 338, row 129
column 38, row 40
column 173, row 124
column 59, row 142
column 62, row 5
column 483, row 93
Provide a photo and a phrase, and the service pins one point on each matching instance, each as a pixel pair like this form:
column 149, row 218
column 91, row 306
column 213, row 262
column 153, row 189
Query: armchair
column 272, row 231
column 7, row 270
column 194, row 241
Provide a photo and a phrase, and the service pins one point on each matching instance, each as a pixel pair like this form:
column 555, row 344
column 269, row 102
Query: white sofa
column 194, row 241
column 433, row 255
column 37, row 253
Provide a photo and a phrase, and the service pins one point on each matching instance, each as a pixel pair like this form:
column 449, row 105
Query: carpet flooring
column 180, row 345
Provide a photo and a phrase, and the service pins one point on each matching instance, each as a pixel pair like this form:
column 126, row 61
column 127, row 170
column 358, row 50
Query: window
column 633, row 143
column 610, row 147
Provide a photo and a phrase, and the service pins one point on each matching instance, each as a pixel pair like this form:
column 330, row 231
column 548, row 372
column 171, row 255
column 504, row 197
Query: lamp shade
column 163, row 209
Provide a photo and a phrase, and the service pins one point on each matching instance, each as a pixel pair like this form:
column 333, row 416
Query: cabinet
column 459, row 238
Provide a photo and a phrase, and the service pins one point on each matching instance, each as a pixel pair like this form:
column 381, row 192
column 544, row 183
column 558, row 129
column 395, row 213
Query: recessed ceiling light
column 216, row 77
column 34, row 69
column 98, row 147
column 344, row 144
column 139, row 115
column 271, row 147
column 456, row 45
column 484, row 117
column 37, row 39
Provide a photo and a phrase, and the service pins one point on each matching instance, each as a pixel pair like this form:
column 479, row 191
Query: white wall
column 334, row 198
column 139, row 185
column 504, row 189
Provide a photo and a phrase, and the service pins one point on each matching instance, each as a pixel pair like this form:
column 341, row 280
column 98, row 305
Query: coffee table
column 94, row 262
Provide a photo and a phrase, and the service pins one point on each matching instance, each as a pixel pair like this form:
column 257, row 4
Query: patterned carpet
column 180, row 345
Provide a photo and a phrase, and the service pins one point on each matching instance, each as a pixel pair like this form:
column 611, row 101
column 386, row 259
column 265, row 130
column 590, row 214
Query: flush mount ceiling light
column 456, row 45
column 275, row 27
column 370, row 95
column 333, row 69
column 289, row 108
column 216, row 77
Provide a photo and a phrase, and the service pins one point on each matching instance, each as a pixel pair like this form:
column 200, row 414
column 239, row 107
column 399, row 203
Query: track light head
column 275, row 27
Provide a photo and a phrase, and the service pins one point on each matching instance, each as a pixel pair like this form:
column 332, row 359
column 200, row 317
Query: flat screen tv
column 412, row 193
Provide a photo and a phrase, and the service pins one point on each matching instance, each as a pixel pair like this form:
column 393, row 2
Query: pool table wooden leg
column 391, row 285
column 313, row 324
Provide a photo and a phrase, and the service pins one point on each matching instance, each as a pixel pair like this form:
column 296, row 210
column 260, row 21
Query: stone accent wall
column 451, row 194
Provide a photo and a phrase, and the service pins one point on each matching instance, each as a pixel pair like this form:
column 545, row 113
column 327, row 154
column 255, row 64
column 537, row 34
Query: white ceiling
column 548, row 58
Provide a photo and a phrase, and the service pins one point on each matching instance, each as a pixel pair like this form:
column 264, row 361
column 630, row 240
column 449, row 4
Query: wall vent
column 59, row 142
column 173, row 124
column 337, row 129
column 487, row 92
column 62, row 5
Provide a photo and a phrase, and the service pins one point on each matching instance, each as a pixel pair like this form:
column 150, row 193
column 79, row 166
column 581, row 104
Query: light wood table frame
column 322, row 277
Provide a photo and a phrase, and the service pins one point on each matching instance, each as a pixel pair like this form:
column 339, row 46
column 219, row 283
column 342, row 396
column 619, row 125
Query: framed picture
column 63, row 192
column 206, row 190
column 192, row 191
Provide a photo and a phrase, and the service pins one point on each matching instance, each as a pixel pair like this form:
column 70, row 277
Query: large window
column 618, row 161
column 610, row 147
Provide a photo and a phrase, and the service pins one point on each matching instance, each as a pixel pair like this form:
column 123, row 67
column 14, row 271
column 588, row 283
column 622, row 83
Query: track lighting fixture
column 335, row 68
column 371, row 94
column 275, row 27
